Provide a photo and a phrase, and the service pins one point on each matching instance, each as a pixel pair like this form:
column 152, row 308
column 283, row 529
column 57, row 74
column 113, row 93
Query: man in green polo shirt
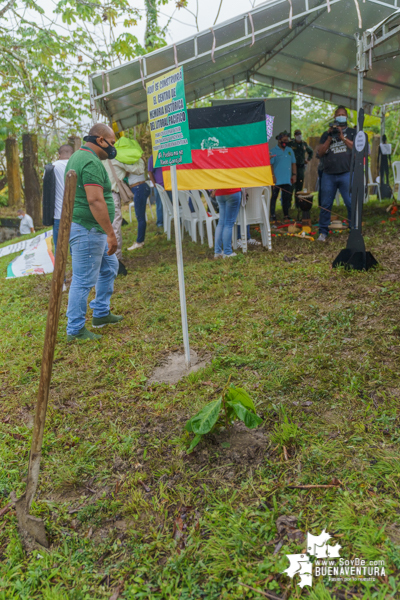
column 92, row 238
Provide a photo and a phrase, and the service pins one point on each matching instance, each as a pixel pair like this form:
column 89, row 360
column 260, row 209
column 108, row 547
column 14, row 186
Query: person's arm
column 310, row 152
column 31, row 227
column 294, row 169
column 349, row 143
column 99, row 210
column 324, row 143
column 294, row 173
column 137, row 168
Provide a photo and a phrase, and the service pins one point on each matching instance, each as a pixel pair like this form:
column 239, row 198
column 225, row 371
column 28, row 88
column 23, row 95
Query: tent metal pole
column 360, row 72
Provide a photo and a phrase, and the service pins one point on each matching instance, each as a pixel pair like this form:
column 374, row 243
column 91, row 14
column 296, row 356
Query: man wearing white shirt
column 53, row 190
column 64, row 154
column 26, row 225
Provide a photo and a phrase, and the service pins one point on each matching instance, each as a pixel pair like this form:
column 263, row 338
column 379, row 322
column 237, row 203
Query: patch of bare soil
column 332, row 418
column 173, row 367
column 237, row 445
column 393, row 533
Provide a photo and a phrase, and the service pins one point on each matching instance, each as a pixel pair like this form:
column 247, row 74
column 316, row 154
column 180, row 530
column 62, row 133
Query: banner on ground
column 229, row 149
column 36, row 259
column 169, row 128
column 12, row 248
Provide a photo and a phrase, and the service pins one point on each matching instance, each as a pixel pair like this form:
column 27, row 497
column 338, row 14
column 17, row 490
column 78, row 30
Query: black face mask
column 283, row 144
column 110, row 150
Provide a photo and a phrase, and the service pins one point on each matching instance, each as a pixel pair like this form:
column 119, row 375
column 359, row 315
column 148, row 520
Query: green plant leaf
column 249, row 419
column 235, row 394
column 194, row 443
column 205, row 420
column 188, row 426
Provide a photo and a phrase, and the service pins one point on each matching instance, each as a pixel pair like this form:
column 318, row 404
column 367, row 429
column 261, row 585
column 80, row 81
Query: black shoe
column 124, row 222
column 122, row 269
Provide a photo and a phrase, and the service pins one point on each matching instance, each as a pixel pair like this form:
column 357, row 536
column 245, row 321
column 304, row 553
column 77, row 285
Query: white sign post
column 179, row 260
column 169, row 129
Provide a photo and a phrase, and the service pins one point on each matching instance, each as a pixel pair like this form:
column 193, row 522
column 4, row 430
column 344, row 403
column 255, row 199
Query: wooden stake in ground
column 32, row 529
column 33, row 195
column 13, row 172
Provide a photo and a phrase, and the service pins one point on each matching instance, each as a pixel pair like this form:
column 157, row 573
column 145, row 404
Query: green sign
column 169, row 126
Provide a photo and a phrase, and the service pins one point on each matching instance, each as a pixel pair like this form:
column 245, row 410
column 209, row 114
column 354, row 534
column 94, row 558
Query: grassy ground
column 127, row 511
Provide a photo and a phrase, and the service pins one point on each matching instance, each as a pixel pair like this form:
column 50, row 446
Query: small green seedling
column 235, row 403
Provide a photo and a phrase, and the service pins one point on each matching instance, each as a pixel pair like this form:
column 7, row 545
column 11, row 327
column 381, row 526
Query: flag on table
column 229, row 149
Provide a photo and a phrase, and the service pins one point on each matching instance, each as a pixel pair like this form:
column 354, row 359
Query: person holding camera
column 334, row 150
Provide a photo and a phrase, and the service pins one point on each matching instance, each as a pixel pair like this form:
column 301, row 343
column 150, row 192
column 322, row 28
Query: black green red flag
column 229, row 149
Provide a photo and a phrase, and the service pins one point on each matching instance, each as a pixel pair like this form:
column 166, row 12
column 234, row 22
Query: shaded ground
column 127, row 509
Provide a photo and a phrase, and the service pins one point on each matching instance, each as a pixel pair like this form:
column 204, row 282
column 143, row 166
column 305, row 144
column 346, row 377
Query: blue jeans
column 159, row 209
column 228, row 211
column 329, row 185
column 239, row 232
column 140, row 194
column 91, row 266
column 56, row 227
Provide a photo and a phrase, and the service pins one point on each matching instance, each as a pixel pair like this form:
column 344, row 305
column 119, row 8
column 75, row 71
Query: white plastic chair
column 255, row 212
column 372, row 184
column 396, row 177
column 203, row 217
column 210, row 205
column 168, row 212
column 189, row 219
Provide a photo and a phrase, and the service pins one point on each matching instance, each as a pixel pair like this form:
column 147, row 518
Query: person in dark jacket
column 300, row 149
column 384, row 161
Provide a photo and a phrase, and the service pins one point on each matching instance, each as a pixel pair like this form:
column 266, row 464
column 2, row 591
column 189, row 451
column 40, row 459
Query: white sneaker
column 253, row 242
column 218, row 256
column 229, row 255
column 322, row 237
column 135, row 246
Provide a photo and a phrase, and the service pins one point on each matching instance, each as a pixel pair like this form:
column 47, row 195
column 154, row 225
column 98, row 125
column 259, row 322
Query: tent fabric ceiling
column 312, row 51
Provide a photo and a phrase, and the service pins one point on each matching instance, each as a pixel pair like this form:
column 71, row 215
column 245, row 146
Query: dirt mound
column 173, row 367
column 237, row 445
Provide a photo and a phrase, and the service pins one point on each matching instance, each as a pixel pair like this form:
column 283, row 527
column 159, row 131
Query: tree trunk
column 151, row 24
column 33, row 196
column 311, row 174
column 13, row 172
column 75, row 142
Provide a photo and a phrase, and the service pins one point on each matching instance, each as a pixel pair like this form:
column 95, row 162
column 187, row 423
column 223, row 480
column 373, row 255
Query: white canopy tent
column 306, row 46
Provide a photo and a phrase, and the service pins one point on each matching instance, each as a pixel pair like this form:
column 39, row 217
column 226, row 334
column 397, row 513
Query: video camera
column 335, row 133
